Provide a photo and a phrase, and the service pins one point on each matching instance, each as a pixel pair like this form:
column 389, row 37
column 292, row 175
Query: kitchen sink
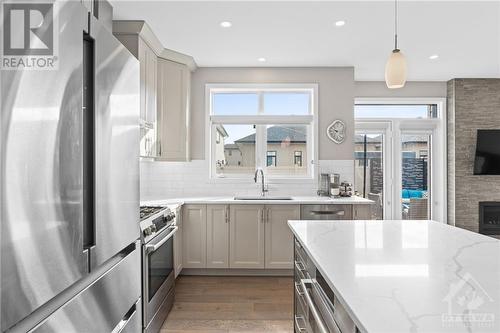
column 255, row 197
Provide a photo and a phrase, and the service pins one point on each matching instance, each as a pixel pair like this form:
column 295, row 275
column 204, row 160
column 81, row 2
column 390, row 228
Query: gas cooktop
column 147, row 211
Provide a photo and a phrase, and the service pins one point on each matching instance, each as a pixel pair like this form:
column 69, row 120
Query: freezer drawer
column 107, row 305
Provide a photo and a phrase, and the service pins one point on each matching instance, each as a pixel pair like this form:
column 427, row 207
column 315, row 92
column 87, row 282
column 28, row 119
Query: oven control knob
column 147, row 232
column 152, row 228
column 168, row 218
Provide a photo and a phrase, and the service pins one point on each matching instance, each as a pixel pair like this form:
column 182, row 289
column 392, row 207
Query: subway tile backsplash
column 165, row 180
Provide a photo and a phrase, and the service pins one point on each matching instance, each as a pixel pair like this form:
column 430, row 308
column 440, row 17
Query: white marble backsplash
column 166, row 180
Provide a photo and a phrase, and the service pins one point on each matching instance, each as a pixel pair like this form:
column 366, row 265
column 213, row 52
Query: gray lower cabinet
column 278, row 236
column 250, row 236
column 246, row 236
column 217, row 236
column 362, row 212
column 178, row 239
column 194, row 240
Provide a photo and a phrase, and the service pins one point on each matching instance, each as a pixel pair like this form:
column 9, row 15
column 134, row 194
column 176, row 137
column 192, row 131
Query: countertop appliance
column 324, row 185
column 316, row 307
column 334, row 185
column 346, row 189
column 70, row 183
column 158, row 226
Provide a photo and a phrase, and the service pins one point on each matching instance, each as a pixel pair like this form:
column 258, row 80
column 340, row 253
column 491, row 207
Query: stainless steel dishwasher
column 326, row 212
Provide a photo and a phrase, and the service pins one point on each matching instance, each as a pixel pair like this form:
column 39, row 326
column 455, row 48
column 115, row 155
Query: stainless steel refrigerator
column 70, row 260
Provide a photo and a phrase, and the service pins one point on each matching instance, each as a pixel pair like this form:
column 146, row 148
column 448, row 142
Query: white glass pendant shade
column 395, row 70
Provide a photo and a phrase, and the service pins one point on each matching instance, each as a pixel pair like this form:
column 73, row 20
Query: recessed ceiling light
column 262, row 59
column 226, row 24
column 434, row 57
column 340, row 23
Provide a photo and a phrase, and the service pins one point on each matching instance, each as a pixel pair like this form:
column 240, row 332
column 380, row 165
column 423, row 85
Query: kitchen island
column 395, row 276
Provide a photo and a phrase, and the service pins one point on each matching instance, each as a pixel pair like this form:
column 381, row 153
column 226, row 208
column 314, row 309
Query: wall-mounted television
column 487, row 161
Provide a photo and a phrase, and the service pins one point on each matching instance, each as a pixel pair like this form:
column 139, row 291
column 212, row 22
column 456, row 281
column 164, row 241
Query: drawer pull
column 298, row 286
column 300, row 266
column 328, row 212
column 313, row 310
column 302, row 328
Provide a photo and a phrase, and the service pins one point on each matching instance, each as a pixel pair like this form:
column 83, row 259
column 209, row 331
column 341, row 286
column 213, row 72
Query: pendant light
column 395, row 69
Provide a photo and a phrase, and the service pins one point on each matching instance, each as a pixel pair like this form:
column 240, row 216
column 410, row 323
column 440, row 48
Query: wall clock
column 336, row 131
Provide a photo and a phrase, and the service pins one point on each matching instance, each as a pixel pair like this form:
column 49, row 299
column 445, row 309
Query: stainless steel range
column 158, row 226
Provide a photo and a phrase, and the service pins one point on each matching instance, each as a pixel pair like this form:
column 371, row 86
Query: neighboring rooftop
column 278, row 134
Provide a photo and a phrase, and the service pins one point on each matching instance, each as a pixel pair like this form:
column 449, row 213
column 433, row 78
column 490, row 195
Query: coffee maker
column 329, row 185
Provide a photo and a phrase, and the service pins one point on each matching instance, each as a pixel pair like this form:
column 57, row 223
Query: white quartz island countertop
column 293, row 201
column 408, row 276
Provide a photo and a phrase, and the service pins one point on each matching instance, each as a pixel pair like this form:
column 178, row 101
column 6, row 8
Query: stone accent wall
column 472, row 104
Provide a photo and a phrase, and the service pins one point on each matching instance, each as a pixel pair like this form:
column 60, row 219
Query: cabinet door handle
column 227, row 214
column 267, row 214
column 262, row 216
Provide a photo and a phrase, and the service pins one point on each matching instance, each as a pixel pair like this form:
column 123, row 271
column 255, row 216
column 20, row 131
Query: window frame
column 394, row 129
column 310, row 120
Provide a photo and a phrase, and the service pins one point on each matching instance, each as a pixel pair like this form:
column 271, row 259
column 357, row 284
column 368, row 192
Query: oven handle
column 312, row 306
column 151, row 248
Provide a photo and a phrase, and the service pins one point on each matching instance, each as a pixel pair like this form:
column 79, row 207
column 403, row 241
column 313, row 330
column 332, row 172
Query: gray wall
column 472, row 104
column 378, row 89
column 336, row 100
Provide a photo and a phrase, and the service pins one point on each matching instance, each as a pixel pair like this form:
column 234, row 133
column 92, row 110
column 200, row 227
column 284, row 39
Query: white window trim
column 211, row 120
column 438, row 156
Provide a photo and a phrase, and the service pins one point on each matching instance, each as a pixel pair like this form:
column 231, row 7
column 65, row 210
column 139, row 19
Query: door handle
column 267, row 214
column 152, row 248
column 226, row 212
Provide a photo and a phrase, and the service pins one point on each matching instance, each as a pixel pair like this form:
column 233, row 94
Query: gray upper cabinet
column 165, row 92
column 141, row 42
column 174, row 81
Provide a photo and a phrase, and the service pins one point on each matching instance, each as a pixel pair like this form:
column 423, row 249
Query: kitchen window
column 269, row 126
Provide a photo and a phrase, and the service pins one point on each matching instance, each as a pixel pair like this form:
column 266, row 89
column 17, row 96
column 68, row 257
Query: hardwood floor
column 231, row 304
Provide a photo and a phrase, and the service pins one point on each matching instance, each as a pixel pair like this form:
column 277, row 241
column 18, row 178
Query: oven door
column 158, row 270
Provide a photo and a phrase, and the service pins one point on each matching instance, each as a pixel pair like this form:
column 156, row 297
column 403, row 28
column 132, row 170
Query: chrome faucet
column 264, row 188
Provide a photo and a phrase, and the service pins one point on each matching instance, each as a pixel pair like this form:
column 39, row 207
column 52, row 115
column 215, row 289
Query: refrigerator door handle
column 127, row 317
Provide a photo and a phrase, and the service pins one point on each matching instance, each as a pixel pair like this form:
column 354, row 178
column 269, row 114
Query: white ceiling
column 465, row 34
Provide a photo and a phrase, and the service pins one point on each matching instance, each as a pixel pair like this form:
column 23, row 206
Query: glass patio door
column 371, row 171
column 415, row 173
column 401, row 143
